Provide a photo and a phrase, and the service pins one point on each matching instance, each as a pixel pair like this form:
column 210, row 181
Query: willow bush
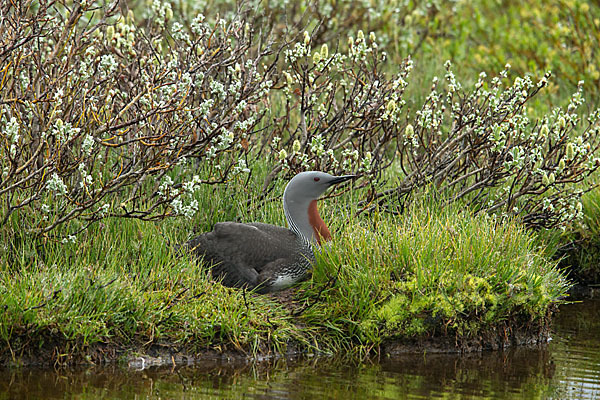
column 97, row 109
column 481, row 146
column 404, row 26
column 478, row 145
column 104, row 113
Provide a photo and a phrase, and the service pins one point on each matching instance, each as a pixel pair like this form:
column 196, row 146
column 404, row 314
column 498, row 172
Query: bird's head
column 300, row 203
column 310, row 185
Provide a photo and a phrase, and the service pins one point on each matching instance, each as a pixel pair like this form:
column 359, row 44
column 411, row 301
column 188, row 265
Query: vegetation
column 435, row 272
column 112, row 118
column 429, row 273
column 113, row 122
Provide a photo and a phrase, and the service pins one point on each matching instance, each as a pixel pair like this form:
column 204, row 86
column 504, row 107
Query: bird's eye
column 317, row 179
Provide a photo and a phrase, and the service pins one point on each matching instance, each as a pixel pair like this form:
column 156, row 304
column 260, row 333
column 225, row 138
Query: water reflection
column 576, row 351
column 569, row 367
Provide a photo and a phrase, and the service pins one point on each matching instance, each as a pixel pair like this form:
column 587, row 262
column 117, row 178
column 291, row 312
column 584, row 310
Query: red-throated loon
column 269, row 257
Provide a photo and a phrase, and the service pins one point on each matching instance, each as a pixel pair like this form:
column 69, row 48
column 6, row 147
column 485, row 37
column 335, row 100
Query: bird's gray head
column 300, row 203
column 307, row 186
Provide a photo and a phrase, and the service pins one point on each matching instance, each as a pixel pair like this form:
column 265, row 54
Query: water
column 567, row 368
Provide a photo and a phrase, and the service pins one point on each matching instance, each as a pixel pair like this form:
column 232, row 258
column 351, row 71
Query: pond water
column 567, row 368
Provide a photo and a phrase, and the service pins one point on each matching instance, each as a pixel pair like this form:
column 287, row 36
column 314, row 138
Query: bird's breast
column 283, row 281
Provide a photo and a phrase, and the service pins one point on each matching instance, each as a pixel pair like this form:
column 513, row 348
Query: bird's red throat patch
column 320, row 229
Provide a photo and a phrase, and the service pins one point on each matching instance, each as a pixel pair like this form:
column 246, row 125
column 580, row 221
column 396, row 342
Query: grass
column 130, row 294
column 431, row 273
column 428, row 273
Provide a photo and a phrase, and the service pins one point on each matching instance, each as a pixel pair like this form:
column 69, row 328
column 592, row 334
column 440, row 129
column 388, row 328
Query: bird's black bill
column 340, row 179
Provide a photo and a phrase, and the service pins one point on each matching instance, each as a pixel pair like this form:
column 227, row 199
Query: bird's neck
column 304, row 219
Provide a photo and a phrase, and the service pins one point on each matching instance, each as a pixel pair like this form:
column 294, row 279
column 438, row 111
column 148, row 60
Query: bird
column 264, row 257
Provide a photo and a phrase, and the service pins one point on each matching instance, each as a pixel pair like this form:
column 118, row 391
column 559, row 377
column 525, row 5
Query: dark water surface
column 567, row 368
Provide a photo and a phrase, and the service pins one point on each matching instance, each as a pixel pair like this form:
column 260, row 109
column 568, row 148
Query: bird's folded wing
column 238, row 252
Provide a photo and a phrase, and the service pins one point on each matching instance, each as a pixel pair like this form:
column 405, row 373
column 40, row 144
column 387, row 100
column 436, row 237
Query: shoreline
column 161, row 355
column 58, row 352
column 63, row 353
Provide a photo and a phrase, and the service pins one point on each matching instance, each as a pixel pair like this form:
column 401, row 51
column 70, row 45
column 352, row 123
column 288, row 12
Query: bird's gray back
column 239, row 252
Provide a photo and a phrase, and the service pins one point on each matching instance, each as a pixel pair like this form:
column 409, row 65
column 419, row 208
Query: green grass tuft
column 429, row 273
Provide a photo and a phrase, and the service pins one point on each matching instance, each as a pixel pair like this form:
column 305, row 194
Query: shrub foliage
column 96, row 110
column 107, row 114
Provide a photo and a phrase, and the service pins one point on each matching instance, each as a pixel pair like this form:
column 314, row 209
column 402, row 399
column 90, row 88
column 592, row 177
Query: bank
column 431, row 280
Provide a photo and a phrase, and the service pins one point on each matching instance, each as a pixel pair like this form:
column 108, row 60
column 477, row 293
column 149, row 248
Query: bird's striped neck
column 305, row 221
